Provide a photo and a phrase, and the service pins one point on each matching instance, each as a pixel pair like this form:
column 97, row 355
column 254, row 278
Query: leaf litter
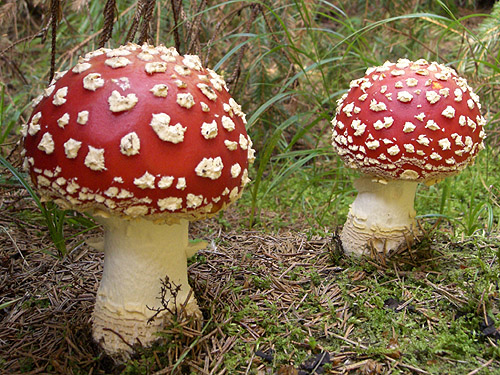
column 272, row 303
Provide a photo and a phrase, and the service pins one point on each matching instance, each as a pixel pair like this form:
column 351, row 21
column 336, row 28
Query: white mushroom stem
column 138, row 255
column 381, row 218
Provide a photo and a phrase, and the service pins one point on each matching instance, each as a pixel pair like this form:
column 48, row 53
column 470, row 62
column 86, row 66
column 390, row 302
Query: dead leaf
column 288, row 370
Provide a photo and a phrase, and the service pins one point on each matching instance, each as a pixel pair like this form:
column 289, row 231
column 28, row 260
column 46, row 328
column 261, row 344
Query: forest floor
column 280, row 303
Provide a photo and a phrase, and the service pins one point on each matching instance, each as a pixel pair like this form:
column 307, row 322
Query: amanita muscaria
column 401, row 124
column 145, row 140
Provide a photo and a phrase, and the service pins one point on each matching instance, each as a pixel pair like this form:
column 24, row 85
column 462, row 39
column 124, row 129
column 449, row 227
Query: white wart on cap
column 409, row 120
column 139, row 131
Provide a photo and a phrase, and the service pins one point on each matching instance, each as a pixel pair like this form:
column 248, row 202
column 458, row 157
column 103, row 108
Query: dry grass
column 47, row 328
column 270, row 301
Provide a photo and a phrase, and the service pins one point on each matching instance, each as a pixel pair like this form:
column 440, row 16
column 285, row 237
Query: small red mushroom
column 402, row 123
column 145, row 140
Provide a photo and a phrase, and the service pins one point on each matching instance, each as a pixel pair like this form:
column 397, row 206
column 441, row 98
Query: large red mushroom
column 401, row 124
column 145, row 140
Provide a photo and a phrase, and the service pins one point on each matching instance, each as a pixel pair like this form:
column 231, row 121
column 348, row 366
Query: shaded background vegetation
column 286, row 62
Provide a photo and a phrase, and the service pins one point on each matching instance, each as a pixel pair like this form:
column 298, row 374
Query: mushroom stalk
column 175, row 148
column 139, row 254
column 381, row 218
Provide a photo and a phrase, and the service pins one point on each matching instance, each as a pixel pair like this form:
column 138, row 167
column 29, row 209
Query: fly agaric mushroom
column 401, row 124
column 146, row 140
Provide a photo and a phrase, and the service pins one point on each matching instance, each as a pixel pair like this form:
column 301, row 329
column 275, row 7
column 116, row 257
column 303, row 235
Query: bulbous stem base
column 140, row 259
column 381, row 219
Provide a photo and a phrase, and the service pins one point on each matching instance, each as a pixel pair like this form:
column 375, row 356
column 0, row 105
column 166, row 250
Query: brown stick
column 28, row 39
column 146, row 20
column 175, row 12
column 54, row 11
column 109, row 20
column 194, row 32
column 135, row 23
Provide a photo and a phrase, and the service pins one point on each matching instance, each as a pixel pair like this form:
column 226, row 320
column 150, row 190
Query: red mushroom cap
column 139, row 131
column 409, row 120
